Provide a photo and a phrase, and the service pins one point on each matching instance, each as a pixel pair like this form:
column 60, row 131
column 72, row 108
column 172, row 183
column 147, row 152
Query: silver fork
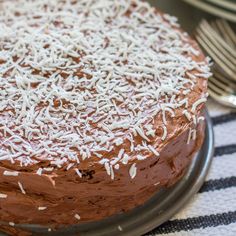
column 223, row 28
column 219, row 41
column 222, row 89
column 223, row 54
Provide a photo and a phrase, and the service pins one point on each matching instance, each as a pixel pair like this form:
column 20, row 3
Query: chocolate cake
column 101, row 105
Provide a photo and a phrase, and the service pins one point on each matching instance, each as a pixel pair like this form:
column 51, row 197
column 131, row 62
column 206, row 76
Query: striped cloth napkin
column 212, row 211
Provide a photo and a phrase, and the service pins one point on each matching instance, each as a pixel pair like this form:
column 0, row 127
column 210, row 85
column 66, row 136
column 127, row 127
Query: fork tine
column 205, row 43
column 215, row 26
column 213, row 50
column 221, row 97
column 228, row 30
column 215, row 90
column 218, row 41
column 220, row 84
column 213, row 94
column 221, row 30
column 226, row 80
column 219, row 94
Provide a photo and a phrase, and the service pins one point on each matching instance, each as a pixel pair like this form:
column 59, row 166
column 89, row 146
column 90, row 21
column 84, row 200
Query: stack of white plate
column 223, row 8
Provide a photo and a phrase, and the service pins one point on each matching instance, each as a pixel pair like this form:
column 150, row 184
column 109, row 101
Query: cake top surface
column 93, row 80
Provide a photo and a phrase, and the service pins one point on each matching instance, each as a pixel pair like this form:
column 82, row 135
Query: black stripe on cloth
column 195, row 223
column 224, row 118
column 217, row 184
column 227, row 149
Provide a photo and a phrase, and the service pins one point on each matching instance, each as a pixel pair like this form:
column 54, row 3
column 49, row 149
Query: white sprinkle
column 194, row 120
column 200, row 118
column 10, row 173
column 49, row 229
column 120, row 154
column 118, row 141
column 2, row 195
column 98, row 155
column 187, row 114
column 120, row 228
column 103, row 161
column 49, row 169
column 141, row 133
column 192, row 76
column 164, row 133
column 107, row 167
column 21, row 187
column 133, row 170
column 197, row 103
column 185, row 92
column 39, row 171
column 112, row 172
column 156, row 183
column 12, row 224
column 117, row 166
column 125, row 159
column 191, row 135
column 42, row 208
column 77, row 216
column 140, row 157
column 78, row 172
column 154, row 151
column 69, row 166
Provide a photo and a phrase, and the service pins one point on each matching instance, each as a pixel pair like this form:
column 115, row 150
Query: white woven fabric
column 212, row 212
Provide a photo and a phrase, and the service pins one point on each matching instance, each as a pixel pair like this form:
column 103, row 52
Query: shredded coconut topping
column 77, row 78
column 133, row 170
column 12, row 224
column 78, row 173
column 10, row 173
column 2, row 195
column 21, row 187
column 42, row 208
column 77, row 216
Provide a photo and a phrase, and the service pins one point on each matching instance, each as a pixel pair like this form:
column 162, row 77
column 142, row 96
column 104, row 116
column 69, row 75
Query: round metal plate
column 160, row 208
